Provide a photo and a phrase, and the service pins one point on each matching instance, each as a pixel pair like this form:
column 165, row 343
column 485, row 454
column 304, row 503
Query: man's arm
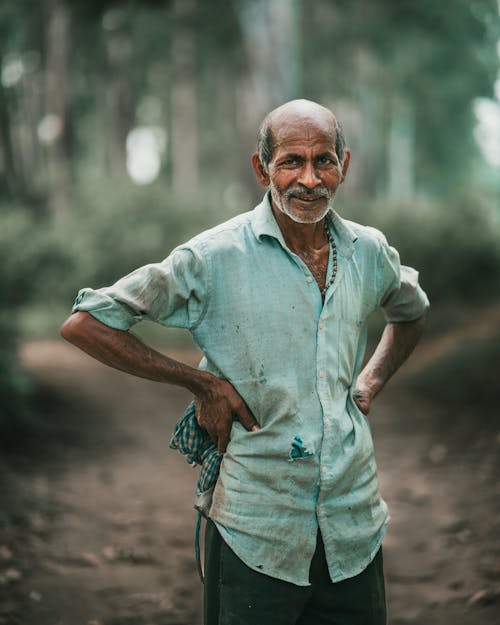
column 396, row 343
column 217, row 400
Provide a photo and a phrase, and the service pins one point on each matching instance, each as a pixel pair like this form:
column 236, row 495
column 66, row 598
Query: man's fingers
column 223, row 441
column 216, row 416
column 362, row 405
column 361, row 400
column 247, row 420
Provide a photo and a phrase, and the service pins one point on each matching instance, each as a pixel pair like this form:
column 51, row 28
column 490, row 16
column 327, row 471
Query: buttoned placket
column 322, row 386
column 324, row 391
column 345, row 249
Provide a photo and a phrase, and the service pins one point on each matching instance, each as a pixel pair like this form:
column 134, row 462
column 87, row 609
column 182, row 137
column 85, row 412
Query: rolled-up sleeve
column 173, row 293
column 400, row 294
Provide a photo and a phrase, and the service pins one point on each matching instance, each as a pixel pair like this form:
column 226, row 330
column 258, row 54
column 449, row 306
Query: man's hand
column 362, row 399
column 216, row 408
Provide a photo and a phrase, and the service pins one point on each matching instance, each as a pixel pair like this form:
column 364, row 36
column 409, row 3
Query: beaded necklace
column 334, row 269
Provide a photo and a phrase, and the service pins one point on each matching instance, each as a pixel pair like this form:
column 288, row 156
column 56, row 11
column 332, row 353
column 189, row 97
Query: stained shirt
column 255, row 311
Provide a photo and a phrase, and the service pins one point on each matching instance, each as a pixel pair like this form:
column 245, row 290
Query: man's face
column 304, row 172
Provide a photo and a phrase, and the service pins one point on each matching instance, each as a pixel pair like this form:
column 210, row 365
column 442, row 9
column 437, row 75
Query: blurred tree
column 413, row 70
column 120, row 94
column 271, row 38
column 79, row 76
column 404, row 76
column 20, row 99
column 184, row 97
column 28, row 254
column 57, row 106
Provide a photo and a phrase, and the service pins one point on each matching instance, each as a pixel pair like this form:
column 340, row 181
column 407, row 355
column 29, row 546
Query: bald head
column 301, row 114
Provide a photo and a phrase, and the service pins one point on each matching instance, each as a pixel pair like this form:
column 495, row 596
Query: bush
column 114, row 229
column 112, row 232
column 28, row 252
column 454, row 245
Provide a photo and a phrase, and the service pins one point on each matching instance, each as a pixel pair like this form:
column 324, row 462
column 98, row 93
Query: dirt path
column 109, row 536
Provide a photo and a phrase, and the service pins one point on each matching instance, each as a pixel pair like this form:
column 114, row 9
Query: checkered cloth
column 194, row 443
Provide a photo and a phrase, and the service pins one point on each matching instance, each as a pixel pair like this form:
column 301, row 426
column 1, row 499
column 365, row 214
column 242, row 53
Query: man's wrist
column 370, row 385
column 200, row 383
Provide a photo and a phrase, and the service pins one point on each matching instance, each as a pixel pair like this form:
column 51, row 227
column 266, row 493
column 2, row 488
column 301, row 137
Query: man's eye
column 324, row 160
column 290, row 161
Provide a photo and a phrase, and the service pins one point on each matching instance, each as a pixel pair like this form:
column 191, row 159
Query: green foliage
column 16, row 31
column 119, row 228
column 30, row 249
column 29, row 252
column 455, row 245
column 437, row 56
column 361, row 54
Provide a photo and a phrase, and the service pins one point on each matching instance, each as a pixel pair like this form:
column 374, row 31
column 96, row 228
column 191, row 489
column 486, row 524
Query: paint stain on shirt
column 298, row 449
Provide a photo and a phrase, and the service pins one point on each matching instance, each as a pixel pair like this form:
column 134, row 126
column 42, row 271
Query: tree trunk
column 272, row 43
column 184, row 149
column 8, row 174
column 119, row 101
column 57, row 106
column 401, row 176
column 273, row 46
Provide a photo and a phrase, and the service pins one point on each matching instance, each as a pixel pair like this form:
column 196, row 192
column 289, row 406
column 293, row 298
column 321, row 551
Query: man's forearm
column 397, row 342
column 217, row 400
column 123, row 351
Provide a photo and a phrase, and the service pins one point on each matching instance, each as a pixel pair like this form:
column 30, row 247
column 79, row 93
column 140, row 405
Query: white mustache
column 308, row 194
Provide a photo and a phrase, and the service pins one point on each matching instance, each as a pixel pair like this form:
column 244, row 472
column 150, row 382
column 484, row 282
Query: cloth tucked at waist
column 193, row 442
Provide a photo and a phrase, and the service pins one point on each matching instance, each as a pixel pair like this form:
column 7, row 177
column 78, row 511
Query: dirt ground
column 98, row 522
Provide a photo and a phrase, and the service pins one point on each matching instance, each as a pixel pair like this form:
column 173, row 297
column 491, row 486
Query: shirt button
column 324, row 470
column 309, row 279
column 321, row 326
column 321, row 373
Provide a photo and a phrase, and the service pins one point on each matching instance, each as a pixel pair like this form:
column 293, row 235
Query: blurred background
column 128, row 126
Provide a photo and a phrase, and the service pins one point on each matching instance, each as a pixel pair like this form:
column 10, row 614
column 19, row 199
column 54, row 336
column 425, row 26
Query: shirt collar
column 265, row 224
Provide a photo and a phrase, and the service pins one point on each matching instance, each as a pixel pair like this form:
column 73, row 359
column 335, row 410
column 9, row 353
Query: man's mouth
column 308, row 198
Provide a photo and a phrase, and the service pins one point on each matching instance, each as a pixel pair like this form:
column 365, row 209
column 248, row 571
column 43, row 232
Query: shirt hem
column 375, row 550
column 337, row 578
column 224, row 534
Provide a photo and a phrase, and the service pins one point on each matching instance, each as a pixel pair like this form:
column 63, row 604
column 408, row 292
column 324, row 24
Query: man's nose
column 308, row 177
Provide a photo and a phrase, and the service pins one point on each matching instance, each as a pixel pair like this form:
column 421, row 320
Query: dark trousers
column 238, row 595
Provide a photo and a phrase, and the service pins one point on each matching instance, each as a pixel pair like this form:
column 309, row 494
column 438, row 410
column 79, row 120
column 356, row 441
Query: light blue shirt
column 255, row 310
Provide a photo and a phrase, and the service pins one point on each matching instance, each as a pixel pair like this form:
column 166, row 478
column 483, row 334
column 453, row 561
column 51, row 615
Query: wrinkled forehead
column 306, row 130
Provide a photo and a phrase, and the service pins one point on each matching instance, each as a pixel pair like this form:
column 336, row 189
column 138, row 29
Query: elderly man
column 277, row 299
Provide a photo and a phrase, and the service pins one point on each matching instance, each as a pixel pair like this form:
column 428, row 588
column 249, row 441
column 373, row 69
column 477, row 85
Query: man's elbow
column 75, row 328
column 422, row 320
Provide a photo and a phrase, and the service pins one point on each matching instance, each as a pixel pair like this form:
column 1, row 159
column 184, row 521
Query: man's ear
column 345, row 166
column 260, row 171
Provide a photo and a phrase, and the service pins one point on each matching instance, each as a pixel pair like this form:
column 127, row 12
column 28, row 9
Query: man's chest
column 272, row 296
column 317, row 263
